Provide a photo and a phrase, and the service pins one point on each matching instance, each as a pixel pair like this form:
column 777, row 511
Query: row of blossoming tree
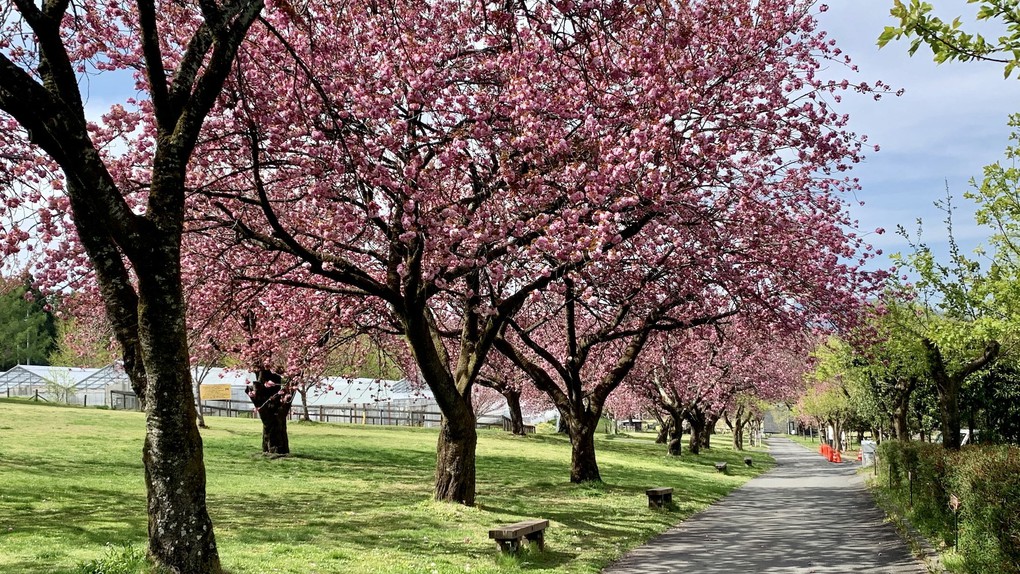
column 592, row 191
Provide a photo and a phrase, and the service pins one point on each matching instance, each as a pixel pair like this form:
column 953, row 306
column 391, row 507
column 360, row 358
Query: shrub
column 986, row 480
column 926, row 465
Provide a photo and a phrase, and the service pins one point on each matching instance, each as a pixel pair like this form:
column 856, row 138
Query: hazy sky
column 948, row 124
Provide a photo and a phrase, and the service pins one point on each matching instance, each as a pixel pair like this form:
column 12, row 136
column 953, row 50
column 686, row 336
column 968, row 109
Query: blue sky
column 948, row 124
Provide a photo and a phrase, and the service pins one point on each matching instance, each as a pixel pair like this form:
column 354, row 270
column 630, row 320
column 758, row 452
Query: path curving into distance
column 806, row 515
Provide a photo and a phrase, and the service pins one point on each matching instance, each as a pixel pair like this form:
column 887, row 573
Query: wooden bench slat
column 659, row 490
column 519, row 529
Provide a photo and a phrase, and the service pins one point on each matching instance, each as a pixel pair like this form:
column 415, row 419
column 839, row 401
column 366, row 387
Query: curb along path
column 807, row 515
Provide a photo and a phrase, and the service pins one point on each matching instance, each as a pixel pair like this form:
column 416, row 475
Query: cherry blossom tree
column 501, row 147
column 701, row 375
column 580, row 340
column 254, row 324
column 54, row 160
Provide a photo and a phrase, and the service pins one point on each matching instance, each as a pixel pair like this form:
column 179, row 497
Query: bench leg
column 656, row 501
column 510, row 546
column 538, row 537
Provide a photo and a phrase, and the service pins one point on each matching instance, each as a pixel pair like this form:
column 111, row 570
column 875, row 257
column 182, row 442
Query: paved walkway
column 806, row 515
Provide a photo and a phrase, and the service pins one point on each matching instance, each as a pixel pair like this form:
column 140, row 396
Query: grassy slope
column 353, row 499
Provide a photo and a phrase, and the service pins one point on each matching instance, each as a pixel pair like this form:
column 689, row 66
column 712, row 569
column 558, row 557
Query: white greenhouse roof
column 80, row 378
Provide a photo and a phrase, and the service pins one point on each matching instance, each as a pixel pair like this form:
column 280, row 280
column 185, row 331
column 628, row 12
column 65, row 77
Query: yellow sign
column 215, row 392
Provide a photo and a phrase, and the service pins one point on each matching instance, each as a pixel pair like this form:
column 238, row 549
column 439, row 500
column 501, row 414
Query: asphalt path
column 806, row 515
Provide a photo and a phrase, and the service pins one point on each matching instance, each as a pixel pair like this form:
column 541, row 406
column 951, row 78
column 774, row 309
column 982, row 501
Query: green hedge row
column 986, row 482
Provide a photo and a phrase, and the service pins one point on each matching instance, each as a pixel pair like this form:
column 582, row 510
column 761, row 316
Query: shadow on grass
column 84, row 515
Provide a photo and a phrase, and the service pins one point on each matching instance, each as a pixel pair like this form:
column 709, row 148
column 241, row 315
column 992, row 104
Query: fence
column 59, row 395
column 383, row 414
column 379, row 414
column 386, row 415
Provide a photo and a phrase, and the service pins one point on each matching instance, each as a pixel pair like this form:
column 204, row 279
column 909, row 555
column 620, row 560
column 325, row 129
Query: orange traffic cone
column 860, row 455
column 835, row 456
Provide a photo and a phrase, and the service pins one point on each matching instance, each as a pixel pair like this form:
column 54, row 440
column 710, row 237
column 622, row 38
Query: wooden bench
column 748, row 461
column 721, row 467
column 659, row 497
column 510, row 537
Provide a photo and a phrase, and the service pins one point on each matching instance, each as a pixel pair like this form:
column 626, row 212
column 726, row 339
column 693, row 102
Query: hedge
column 985, row 480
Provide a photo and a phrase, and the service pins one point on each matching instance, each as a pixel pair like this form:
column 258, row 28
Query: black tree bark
column 513, row 404
column 706, row 436
column 696, row 418
column 662, row 435
column 180, row 530
column 273, row 401
column 512, row 395
column 583, row 465
column 902, row 390
column 455, row 459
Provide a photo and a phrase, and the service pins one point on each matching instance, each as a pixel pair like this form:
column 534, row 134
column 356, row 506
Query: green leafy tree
column 27, row 328
column 997, row 293
column 963, row 312
column 888, row 366
column 949, row 40
column 827, row 398
column 992, row 403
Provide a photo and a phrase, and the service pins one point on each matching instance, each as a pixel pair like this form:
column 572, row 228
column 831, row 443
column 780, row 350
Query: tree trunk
column 697, row 420
column 180, row 531
column 455, row 458
column 901, row 407
column 272, row 401
column 198, row 406
column 665, row 425
column 583, row 466
column 676, row 434
column 738, row 432
column 901, row 430
column 303, row 391
column 274, row 432
column 513, row 404
column 948, row 387
column 949, row 405
column 706, row 435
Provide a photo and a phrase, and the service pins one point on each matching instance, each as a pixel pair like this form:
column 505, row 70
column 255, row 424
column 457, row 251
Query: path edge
column 918, row 543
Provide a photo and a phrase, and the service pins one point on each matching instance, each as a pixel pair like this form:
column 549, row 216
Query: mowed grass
column 352, row 499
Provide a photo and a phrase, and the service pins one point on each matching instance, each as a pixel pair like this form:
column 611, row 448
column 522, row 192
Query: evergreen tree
column 27, row 328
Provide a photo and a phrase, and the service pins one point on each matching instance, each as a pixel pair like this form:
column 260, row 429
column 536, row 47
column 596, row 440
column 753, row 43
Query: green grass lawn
column 352, row 499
